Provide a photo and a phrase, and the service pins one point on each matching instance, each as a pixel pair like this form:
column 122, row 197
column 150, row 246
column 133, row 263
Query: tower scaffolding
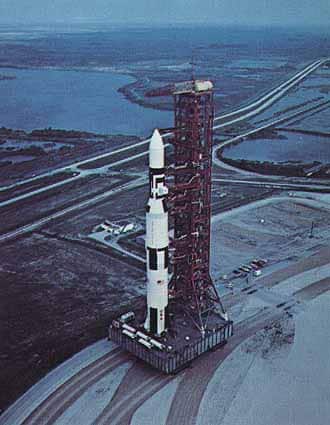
column 191, row 284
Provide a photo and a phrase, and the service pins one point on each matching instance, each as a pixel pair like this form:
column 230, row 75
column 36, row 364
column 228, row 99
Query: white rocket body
column 157, row 239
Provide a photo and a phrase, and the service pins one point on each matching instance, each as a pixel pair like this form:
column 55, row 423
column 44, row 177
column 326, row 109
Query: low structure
column 176, row 348
column 116, row 228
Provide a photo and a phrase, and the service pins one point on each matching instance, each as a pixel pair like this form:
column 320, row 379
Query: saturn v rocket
column 157, row 239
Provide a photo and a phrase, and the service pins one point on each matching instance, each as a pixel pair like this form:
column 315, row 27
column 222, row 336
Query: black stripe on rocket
column 153, row 320
column 156, row 256
column 164, row 203
column 156, row 177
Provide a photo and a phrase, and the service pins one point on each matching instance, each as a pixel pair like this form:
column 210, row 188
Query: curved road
column 185, row 406
column 142, row 382
column 242, row 113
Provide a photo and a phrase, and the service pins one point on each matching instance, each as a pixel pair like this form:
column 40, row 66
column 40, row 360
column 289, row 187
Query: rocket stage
column 184, row 316
column 179, row 346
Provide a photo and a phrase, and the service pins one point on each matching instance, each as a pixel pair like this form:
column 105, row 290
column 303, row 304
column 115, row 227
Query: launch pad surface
column 178, row 347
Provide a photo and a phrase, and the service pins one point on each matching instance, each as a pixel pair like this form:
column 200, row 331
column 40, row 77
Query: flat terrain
column 277, row 229
column 273, row 341
column 67, row 287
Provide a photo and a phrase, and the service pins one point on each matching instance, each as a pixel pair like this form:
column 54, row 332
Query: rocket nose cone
column 156, row 151
column 156, row 141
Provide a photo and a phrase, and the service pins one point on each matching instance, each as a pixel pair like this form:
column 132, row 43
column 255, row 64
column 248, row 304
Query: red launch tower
column 195, row 319
column 191, row 284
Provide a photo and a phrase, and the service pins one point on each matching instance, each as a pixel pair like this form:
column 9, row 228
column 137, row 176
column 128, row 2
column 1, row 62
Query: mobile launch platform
column 185, row 316
column 178, row 347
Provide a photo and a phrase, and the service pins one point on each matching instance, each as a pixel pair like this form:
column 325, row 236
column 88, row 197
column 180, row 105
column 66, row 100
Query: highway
column 92, row 201
column 141, row 181
column 243, row 113
column 75, row 166
column 287, row 85
column 139, row 384
column 271, row 184
column 286, row 118
column 274, row 185
column 315, row 108
column 99, row 170
column 269, row 99
column 85, row 173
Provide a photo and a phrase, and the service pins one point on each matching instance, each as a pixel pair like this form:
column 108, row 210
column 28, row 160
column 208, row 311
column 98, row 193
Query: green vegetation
column 289, row 169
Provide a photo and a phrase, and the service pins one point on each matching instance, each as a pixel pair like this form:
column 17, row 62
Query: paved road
column 237, row 170
column 142, row 181
column 275, row 185
column 279, row 89
column 273, row 123
column 186, row 403
column 242, row 113
column 71, row 390
column 185, row 406
column 85, row 173
column 142, row 382
column 276, row 94
column 30, row 227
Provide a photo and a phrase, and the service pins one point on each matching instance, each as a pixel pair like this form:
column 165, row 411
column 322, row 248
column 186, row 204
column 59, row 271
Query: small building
column 118, row 228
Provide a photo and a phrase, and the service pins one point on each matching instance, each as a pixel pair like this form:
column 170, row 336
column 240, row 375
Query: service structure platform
column 177, row 347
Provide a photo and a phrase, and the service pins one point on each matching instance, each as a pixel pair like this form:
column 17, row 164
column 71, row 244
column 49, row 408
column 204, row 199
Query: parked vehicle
column 260, row 262
column 245, row 269
column 248, row 267
column 127, row 317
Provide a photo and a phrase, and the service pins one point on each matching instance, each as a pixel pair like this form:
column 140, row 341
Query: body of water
column 290, row 146
column 15, row 145
column 74, row 100
column 241, row 61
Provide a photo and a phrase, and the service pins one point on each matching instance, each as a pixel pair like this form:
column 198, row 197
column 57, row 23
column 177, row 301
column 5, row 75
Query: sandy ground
column 87, row 408
column 156, row 409
column 277, row 229
column 298, row 282
column 286, row 386
column 40, row 391
column 259, row 367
